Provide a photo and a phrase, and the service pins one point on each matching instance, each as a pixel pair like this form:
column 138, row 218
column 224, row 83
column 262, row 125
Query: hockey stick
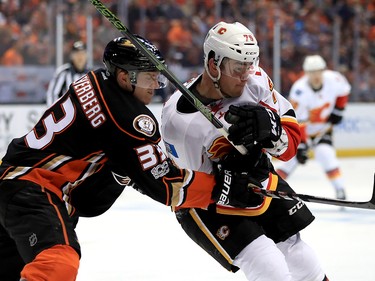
column 321, row 134
column 201, row 107
column 316, row 199
column 165, row 71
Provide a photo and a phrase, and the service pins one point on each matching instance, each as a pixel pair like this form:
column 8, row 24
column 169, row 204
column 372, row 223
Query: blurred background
column 36, row 37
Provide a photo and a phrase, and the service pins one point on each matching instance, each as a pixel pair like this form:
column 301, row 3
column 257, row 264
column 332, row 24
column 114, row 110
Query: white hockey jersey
column 314, row 107
column 193, row 142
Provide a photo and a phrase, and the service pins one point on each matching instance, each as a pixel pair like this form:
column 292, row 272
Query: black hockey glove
column 232, row 189
column 237, row 162
column 302, row 153
column 334, row 118
column 253, row 124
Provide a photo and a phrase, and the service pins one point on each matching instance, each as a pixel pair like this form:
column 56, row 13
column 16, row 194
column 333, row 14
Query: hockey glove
column 242, row 163
column 253, row 124
column 232, row 189
column 302, row 153
column 334, row 118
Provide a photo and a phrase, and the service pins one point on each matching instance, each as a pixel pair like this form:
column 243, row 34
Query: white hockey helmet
column 314, row 63
column 233, row 41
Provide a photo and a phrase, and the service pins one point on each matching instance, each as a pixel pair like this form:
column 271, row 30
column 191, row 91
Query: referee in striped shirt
column 68, row 73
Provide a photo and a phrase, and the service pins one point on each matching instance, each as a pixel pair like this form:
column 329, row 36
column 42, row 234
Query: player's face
column 144, row 95
column 79, row 59
column 146, row 84
column 234, row 77
column 150, row 80
column 237, row 69
column 231, row 87
column 315, row 78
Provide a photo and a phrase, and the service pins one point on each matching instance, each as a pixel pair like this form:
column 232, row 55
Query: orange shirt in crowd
column 11, row 58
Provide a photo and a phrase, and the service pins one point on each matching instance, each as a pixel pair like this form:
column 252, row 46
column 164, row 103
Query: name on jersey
column 89, row 102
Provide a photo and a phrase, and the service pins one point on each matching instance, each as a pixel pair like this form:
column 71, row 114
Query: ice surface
column 140, row 239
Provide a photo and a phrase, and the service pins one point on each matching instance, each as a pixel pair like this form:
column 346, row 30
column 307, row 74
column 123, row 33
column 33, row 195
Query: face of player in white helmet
column 315, row 78
column 237, row 69
column 233, row 78
column 235, row 52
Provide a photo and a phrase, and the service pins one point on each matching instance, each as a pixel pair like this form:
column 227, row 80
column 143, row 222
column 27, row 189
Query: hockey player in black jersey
column 91, row 143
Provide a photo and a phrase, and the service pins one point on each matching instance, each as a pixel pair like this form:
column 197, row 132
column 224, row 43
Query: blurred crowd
column 342, row 31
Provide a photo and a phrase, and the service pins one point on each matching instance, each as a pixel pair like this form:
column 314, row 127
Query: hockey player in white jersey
column 319, row 99
column 264, row 240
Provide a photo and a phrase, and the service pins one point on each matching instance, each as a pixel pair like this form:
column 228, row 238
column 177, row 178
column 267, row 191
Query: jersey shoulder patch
column 144, row 124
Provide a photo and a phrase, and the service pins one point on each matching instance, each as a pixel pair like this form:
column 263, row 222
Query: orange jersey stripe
column 199, row 191
column 341, row 102
column 293, row 132
column 302, row 128
column 333, row 174
column 65, row 233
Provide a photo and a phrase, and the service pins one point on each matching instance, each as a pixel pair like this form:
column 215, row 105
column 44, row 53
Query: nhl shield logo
column 145, row 125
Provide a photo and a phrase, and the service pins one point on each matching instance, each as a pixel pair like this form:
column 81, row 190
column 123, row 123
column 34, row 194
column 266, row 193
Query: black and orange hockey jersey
column 96, row 133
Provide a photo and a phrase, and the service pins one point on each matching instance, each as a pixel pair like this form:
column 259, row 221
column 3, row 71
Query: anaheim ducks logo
column 127, row 43
column 219, row 148
column 145, row 125
column 121, row 180
column 223, row 232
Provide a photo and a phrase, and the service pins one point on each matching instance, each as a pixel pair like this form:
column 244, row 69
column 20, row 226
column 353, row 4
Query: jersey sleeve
column 131, row 143
column 286, row 147
column 156, row 176
column 343, row 86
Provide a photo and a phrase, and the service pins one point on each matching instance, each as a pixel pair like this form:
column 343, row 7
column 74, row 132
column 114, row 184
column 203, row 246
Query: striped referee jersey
column 63, row 77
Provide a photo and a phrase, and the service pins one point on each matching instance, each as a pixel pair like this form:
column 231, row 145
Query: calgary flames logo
column 222, row 30
column 223, row 232
column 219, row 148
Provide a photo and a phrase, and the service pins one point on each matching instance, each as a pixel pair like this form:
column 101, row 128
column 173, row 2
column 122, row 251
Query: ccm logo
column 223, row 199
column 295, row 208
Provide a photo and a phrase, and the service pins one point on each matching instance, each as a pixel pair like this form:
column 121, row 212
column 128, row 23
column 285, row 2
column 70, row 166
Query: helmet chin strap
column 133, row 87
column 215, row 81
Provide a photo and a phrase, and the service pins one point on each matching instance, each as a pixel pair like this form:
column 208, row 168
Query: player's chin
column 237, row 91
column 148, row 98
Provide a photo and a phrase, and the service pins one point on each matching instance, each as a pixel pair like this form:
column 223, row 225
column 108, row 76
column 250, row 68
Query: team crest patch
column 223, row 232
column 145, row 125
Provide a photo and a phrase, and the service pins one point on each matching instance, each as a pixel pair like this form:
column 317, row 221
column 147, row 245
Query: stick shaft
column 165, row 71
column 316, row 199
